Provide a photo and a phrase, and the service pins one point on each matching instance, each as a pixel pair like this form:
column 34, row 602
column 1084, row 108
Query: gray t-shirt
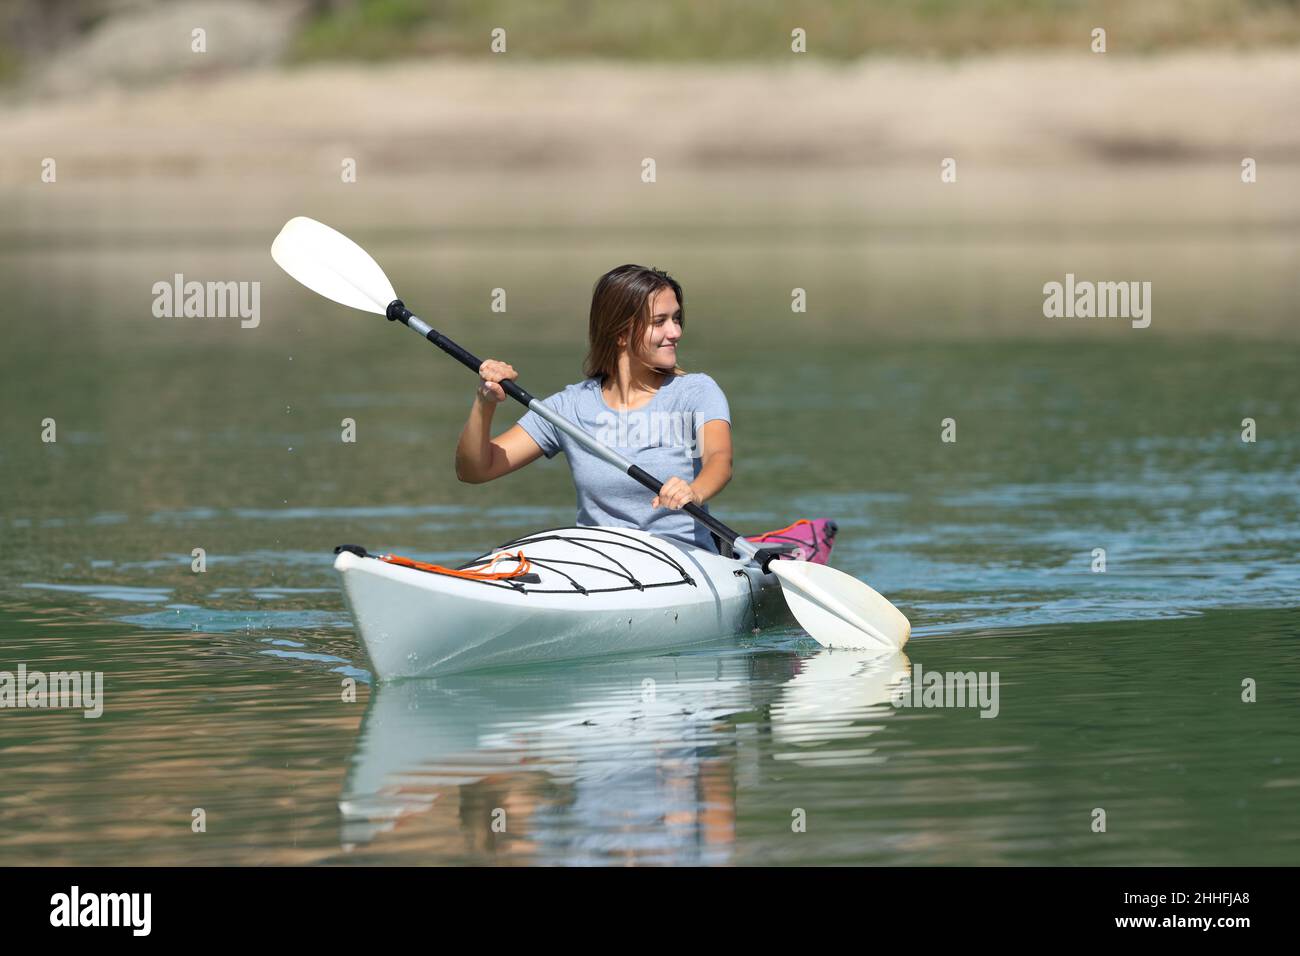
column 662, row 437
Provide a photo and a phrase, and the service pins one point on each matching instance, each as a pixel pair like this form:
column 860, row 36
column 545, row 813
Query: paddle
column 835, row 609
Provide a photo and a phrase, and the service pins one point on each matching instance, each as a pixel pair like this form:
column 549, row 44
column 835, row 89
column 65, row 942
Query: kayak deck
column 587, row 592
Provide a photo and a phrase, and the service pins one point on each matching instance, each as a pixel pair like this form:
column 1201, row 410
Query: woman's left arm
column 715, row 454
column 715, row 469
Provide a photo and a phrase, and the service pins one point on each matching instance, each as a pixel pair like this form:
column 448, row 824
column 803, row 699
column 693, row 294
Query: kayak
column 563, row 594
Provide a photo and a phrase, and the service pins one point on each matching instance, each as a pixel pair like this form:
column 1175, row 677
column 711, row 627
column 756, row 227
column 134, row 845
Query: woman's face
column 659, row 347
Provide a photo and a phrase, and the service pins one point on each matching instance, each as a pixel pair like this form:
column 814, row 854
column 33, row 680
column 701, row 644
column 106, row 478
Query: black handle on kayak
column 398, row 312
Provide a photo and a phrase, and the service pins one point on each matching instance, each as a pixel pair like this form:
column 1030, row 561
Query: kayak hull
column 420, row 624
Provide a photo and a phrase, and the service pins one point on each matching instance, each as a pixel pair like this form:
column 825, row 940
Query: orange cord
column 772, row 534
column 521, row 568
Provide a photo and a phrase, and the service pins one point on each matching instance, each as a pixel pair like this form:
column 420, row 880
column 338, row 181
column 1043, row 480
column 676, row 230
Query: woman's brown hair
column 620, row 308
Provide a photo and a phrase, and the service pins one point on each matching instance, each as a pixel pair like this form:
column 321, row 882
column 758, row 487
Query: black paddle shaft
column 398, row 312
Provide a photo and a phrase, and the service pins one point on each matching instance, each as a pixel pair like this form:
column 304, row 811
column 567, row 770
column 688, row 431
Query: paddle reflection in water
column 605, row 762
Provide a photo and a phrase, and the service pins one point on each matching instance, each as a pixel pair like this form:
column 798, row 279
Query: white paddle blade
column 331, row 264
column 838, row 610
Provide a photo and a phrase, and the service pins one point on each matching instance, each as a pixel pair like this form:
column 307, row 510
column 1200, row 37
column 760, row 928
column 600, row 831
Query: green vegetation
column 681, row 30
column 33, row 32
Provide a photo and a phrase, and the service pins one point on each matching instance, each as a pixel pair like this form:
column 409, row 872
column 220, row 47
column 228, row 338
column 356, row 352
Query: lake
column 1098, row 538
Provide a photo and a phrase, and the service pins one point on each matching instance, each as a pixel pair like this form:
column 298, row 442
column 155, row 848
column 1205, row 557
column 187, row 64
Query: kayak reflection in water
column 636, row 399
column 640, row 760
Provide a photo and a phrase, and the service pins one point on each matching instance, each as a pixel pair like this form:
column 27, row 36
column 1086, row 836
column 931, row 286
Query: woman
column 635, row 398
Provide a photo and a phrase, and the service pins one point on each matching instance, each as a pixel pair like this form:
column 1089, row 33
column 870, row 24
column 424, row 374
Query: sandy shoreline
column 420, row 118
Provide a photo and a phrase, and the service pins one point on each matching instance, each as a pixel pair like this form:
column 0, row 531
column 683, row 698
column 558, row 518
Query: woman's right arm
column 479, row 457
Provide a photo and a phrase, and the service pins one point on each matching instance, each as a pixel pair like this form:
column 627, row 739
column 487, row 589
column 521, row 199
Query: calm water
column 1119, row 690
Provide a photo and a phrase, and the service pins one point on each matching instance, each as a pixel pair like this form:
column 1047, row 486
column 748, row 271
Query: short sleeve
column 542, row 431
column 710, row 402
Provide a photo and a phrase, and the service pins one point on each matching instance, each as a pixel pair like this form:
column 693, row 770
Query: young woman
column 635, row 398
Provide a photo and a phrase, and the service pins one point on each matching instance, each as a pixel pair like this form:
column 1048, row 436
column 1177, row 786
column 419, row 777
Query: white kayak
column 588, row 592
